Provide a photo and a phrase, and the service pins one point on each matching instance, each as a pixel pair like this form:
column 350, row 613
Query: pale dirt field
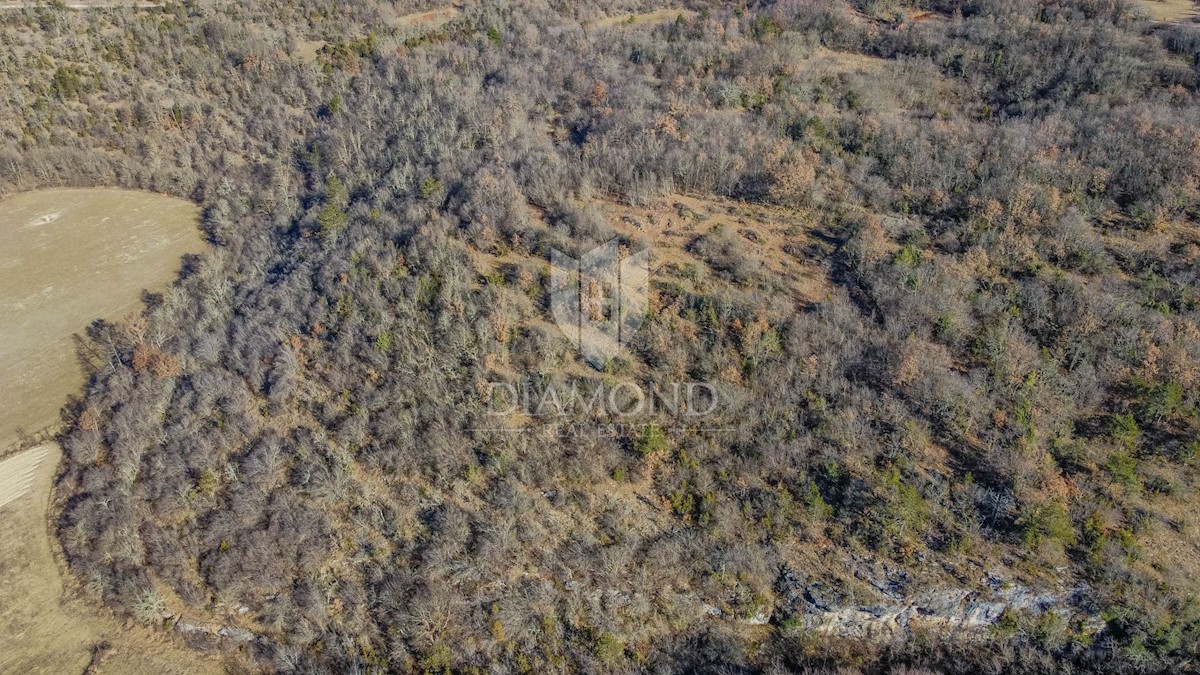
column 71, row 256
column 47, row 628
column 1169, row 10
column 17, row 474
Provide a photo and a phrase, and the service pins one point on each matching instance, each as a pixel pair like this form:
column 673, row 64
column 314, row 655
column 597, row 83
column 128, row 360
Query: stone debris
column 823, row 609
column 229, row 632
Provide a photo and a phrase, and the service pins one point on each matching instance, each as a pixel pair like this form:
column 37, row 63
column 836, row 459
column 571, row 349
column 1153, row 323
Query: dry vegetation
column 45, row 628
column 776, row 245
column 939, row 258
column 658, row 16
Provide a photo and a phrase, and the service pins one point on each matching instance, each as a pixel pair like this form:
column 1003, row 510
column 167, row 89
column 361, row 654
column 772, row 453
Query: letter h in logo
column 599, row 301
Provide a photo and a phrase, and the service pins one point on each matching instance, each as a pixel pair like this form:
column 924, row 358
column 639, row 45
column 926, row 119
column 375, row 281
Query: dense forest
column 995, row 377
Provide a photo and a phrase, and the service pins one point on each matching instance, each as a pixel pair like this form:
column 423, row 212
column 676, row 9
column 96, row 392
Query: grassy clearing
column 1170, row 10
column 776, row 248
column 69, row 257
column 405, row 26
column 774, row 241
column 428, row 20
column 645, row 19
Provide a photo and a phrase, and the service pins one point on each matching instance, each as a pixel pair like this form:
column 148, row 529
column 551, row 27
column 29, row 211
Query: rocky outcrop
column 823, row 609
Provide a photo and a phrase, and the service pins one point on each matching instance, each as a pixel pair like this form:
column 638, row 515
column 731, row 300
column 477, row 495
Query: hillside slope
column 934, row 264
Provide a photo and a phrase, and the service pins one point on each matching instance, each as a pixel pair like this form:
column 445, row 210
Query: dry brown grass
column 829, row 62
column 774, row 240
column 1170, row 10
column 646, row 19
column 417, row 23
column 307, row 50
column 428, row 20
column 777, row 243
column 922, row 16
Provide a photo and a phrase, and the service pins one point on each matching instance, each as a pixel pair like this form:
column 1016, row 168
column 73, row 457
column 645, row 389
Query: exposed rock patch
column 821, row 608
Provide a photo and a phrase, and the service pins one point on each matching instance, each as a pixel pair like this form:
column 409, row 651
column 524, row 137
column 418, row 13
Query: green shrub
column 1122, row 468
column 1125, row 430
column 430, row 188
column 67, row 82
column 208, row 483
column 818, row 509
column 333, row 217
column 652, row 440
column 1007, row 625
column 609, row 650
column 383, row 342
column 908, row 257
column 1046, row 522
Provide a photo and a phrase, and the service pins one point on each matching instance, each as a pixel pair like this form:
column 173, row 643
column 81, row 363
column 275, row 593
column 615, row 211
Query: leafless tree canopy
column 1001, row 374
